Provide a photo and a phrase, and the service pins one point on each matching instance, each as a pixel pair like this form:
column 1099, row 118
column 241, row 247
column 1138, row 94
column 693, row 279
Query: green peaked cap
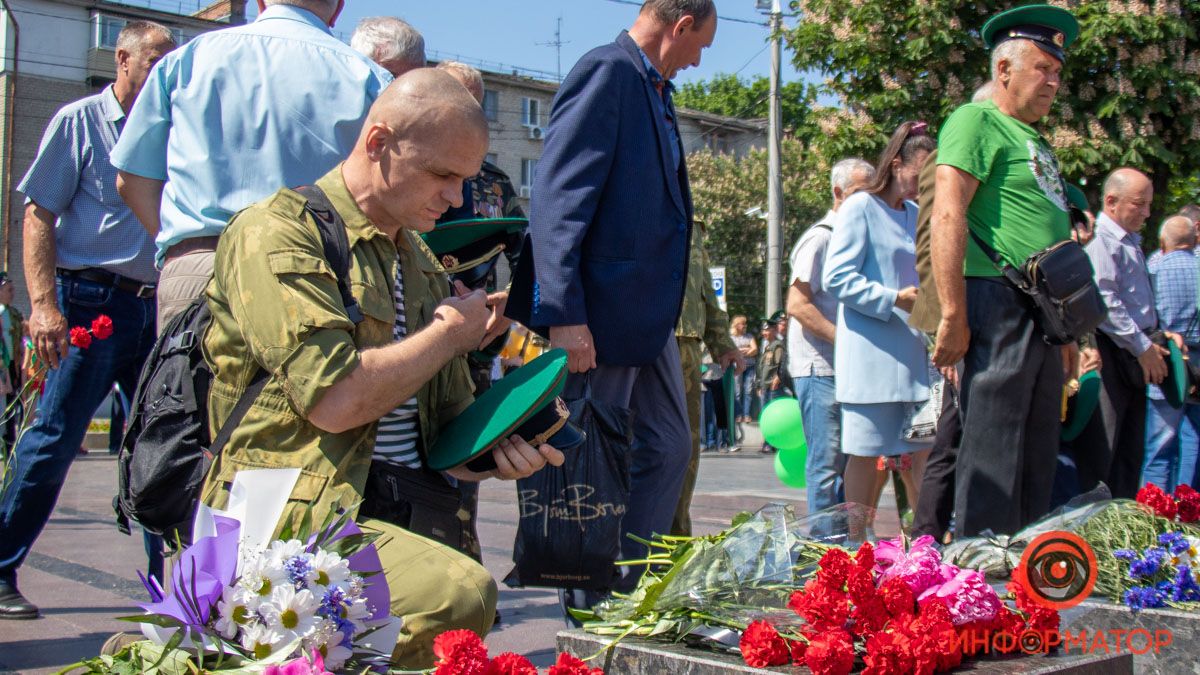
column 1052, row 29
column 503, row 410
column 1086, row 400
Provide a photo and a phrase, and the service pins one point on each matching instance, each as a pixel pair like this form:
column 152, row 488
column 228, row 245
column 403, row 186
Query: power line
column 723, row 18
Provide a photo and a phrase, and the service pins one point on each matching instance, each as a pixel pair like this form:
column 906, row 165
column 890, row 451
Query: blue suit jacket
column 610, row 217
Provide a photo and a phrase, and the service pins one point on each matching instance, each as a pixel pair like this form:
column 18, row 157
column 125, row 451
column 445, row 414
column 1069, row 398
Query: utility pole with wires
column 774, row 162
column 557, row 43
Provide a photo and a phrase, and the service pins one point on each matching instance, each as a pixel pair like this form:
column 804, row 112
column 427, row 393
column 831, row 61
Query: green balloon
column 781, row 425
column 795, row 459
column 791, row 477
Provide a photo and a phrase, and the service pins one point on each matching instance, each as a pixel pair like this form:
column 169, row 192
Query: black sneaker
column 13, row 605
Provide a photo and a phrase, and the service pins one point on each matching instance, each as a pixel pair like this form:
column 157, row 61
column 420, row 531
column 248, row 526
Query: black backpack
column 166, row 451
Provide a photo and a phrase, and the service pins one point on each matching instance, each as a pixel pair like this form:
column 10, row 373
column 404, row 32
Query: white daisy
column 291, row 612
column 261, row 578
column 261, row 640
column 280, row 551
column 331, row 568
column 327, row 640
column 236, row 607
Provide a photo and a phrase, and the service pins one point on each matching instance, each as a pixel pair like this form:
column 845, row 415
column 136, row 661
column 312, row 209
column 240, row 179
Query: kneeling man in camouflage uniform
column 345, row 401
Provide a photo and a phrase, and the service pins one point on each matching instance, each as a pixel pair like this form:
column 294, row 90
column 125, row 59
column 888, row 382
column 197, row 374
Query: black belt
column 99, row 276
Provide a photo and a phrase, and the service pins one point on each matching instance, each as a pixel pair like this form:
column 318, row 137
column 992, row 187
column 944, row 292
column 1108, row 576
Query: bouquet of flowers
column 904, row 610
column 24, row 404
column 241, row 600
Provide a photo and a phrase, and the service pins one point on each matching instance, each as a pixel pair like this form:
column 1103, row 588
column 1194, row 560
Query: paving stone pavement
column 82, row 572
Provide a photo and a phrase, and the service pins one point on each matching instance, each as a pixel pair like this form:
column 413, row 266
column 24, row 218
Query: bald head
column 423, row 137
column 1127, row 197
column 1177, row 234
column 427, row 101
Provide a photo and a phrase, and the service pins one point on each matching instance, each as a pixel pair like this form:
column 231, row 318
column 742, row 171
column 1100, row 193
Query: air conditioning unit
column 536, row 133
column 525, row 191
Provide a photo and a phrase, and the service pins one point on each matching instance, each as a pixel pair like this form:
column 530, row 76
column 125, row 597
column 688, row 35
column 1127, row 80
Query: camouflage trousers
column 433, row 588
column 689, row 359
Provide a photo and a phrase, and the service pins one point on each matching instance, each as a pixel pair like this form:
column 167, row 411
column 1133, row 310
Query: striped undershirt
column 396, row 439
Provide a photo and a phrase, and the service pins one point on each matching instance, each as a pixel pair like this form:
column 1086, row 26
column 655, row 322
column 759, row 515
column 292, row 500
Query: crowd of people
column 196, row 178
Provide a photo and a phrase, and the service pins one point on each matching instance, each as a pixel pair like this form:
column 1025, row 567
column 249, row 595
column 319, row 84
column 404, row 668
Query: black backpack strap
column 336, row 246
column 335, row 243
column 1014, row 276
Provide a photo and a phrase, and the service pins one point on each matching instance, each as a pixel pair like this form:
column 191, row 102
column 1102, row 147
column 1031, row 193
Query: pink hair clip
column 918, row 129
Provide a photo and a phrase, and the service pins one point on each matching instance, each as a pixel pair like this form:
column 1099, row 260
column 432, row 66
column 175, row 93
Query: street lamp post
column 774, row 166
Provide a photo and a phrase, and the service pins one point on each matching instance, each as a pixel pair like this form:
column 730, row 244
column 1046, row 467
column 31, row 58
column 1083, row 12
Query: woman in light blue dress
column 881, row 367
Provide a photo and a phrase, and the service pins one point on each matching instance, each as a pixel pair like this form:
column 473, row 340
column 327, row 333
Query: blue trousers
column 1170, row 453
column 822, row 419
column 72, row 393
column 745, row 389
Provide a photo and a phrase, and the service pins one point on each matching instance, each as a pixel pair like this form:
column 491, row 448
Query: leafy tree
column 724, row 187
column 749, row 99
column 1130, row 93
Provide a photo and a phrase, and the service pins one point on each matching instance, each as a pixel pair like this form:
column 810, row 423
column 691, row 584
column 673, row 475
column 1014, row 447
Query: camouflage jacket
column 276, row 305
column 701, row 318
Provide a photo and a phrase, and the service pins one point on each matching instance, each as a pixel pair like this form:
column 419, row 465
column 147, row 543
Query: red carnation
column 835, row 565
column 470, row 664
column 899, row 598
column 762, row 646
column 860, row 584
column 887, row 653
column 80, row 337
column 1189, row 503
column 821, row 606
column 456, row 644
column 869, row 616
column 509, row 663
column 102, row 327
column 569, row 665
column 935, row 646
column 1151, row 495
column 830, row 653
column 799, row 647
column 865, row 558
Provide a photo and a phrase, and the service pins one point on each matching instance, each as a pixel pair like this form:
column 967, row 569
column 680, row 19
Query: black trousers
column 1112, row 446
column 936, row 503
column 1011, row 399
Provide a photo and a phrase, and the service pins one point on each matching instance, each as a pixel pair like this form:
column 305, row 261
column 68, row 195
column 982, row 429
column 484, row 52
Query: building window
column 108, row 28
column 491, row 158
column 491, row 104
column 531, row 112
column 527, row 168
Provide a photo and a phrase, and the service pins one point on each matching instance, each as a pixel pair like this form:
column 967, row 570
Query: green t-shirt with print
column 1021, row 204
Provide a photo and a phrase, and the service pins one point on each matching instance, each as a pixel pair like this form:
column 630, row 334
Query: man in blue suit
column 609, row 227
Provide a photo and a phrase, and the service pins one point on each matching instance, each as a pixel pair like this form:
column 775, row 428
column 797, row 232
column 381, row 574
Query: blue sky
column 508, row 32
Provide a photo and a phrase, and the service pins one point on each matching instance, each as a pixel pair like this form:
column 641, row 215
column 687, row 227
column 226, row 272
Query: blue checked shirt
column 236, row 114
column 1175, row 276
column 664, row 106
column 72, row 178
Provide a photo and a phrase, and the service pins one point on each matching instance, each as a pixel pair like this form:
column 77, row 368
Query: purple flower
column 1125, row 554
column 1143, row 597
column 1150, row 564
column 1175, row 542
column 1184, row 588
column 299, row 569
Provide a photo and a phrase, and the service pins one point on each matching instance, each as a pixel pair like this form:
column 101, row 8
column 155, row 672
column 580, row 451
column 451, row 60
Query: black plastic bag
column 569, row 533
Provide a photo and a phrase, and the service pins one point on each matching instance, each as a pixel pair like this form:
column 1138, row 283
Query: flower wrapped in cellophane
column 241, row 599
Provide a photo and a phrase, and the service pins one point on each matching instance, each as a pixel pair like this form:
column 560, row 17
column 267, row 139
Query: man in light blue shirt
column 86, row 256
column 1112, row 446
column 229, row 119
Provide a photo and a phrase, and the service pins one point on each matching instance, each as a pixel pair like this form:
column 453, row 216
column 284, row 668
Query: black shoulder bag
column 1061, row 282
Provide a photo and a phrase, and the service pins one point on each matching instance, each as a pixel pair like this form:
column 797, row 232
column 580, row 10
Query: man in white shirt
column 812, row 316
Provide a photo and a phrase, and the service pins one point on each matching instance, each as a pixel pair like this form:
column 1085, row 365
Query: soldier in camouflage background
column 700, row 321
column 346, row 403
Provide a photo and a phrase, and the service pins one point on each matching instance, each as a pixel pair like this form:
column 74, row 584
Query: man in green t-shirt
column 998, row 179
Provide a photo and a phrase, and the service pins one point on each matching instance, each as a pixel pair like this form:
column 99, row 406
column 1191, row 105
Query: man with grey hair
column 1171, row 450
column 228, row 118
column 998, row 185
column 86, row 255
column 391, row 42
column 812, row 314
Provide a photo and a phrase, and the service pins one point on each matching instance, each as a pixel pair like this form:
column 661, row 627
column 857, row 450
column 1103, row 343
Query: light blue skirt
column 874, row 430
